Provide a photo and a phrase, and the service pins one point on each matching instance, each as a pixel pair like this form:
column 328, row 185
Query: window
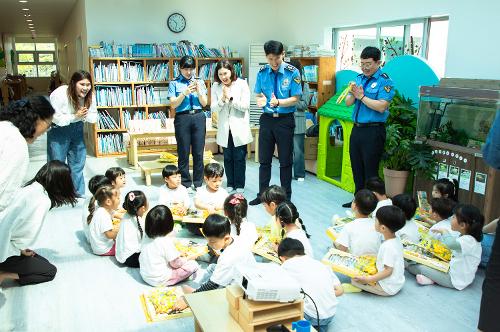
column 424, row 37
column 36, row 59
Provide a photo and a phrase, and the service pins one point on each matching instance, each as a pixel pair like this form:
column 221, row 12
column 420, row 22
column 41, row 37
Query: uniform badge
column 374, row 84
column 297, row 79
column 285, row 83
column 387, row 88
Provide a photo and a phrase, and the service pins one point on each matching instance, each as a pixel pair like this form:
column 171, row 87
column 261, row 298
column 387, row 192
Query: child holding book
column 441, row 213
column 316, row 280
column 359, row 236
column 160, row 262
column 377, row 186
column 390, row 277
column 235, row 209
column 466, row 251
column 211, row 196
column 272, row 197
column 287, row 217
column 173, row 194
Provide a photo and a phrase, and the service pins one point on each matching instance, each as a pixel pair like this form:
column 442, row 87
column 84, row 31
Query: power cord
column 315, row 307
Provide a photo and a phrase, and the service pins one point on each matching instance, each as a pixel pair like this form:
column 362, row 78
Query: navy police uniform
column 277, row 123
column 190, row 129
column 368, row 134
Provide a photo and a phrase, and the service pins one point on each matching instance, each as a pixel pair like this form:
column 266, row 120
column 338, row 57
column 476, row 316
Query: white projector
column 268, row 282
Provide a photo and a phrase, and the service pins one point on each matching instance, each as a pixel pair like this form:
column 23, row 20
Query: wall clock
column 176, row 22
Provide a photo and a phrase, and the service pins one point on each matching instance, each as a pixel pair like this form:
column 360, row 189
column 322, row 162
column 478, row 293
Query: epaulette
column 263, row 67
column 360, row 75
column 384, row 75
column 290, row 68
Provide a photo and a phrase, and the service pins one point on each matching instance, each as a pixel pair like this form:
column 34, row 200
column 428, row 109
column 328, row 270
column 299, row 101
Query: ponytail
column 455, row 190
column 303, row 227
column 139, row 226
column 287, row 214
column 447, row 188
column 102, row 194
column 472, row 217
column 235, row 208
column 133, row 201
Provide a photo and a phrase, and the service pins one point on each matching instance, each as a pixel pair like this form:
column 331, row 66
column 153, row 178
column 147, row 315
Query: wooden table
column 211, row 132
column 211, row 312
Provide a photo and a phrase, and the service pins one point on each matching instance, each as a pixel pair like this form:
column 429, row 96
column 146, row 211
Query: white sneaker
column 300, row 179
column 229, row 190
column 240, row 190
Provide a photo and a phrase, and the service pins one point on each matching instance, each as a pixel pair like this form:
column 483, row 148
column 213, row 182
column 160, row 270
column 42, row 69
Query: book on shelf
column 131, row 71
column 105, row 72
column 132, row 115
column 313, row 97
column 310, row 73
column 158, row 72
column 206, row 71
column 106, row 121
column 110, row 143
column 151, row 95
column 113, row 95
column 159, row 116
column 176, row 69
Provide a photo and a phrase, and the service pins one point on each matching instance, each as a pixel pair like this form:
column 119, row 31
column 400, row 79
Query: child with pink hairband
column 235, row 209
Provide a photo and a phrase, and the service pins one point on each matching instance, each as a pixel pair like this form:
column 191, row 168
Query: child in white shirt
column 235, row 209
column 160, row 262
column 95, row 183
column 173, row 194
column 377, row 185
column 316, row 280
column 441, row 213
column 131, row 232
column 408, row 205
column 390, row 277
column 287, row 217
column 272, row 197
column 102, row 233
column 117, row 177
column 359, row 236
column 211, row 196
column 466, row 251
column 217, row 230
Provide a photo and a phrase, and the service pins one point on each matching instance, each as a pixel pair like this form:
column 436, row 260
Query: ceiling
column 48, row 16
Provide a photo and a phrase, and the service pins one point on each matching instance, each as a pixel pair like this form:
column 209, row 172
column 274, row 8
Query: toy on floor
column 350, row 265
column 158, row 304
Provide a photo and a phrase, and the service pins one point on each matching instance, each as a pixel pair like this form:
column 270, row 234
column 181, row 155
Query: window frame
column 36, row 56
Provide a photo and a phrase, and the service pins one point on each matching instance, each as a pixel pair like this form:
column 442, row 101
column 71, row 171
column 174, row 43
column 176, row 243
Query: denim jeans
column 66, row 144
column 299, row 166
column 323, row 322
column 235, row 164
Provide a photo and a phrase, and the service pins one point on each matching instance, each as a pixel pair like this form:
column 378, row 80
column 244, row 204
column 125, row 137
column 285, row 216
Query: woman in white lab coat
column 22, row 220
column 230, row 100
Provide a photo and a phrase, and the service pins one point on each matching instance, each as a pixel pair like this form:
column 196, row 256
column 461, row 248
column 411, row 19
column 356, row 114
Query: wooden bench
column 155, row 166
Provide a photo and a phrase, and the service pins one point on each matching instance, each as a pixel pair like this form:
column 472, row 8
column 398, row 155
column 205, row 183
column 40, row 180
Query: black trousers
column 276, row 131
column 235, row 163
column 190, row 130
column 490, row 300
column 31, row 269
column 365, row 149
column 133, row 260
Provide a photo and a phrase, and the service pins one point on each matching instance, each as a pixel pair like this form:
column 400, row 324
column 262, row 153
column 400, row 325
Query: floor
column 93, row 293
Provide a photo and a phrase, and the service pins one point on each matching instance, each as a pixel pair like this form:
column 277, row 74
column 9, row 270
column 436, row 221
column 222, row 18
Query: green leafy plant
column 447, row 134
column 402, row 153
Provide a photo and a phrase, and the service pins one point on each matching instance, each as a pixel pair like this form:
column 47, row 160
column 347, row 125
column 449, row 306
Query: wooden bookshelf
column 325, row 85
column 92, row 132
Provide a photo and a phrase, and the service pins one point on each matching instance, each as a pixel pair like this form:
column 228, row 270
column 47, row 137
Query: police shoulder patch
column 290, row 68
column 297, row 79
column 263, row 67
column 387, row 88
column 384, row 75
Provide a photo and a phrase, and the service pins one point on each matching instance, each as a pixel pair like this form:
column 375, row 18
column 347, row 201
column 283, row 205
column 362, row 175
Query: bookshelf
column 319, row 74
column 135, row 88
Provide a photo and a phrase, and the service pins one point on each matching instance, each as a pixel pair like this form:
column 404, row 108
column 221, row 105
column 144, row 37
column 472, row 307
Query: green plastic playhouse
column 334, row 163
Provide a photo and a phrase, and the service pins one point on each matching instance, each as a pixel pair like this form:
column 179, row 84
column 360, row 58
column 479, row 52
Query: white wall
column 74, row 27
column 233, row 23
column 473, row 47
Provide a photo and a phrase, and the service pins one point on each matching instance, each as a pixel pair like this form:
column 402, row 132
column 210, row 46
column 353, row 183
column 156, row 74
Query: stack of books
column 128, row 115
column 110, row 143
column 158, row 72
column 106, row 121
column 113, row 95
column 206, row 71
column 131, row 71
column 310, row 73
column 159, row 116
column 105, row 72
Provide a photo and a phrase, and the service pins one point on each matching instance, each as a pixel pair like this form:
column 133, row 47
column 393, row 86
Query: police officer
column 188, row 96
column 278, row 89
column 371, row 95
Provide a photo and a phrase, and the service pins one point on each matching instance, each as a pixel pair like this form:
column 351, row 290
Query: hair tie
column 131, row 196
column 236, row 199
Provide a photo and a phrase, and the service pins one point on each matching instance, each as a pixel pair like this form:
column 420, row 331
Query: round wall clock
column 176, row 22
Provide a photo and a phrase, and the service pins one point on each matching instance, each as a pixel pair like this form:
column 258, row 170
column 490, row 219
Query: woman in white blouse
column 21, row 123
column 22, row 221
column 74, row 104
column 230, row 99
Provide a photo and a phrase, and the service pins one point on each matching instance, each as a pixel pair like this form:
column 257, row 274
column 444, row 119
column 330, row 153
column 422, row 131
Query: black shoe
column 347, row 205
column 255, row 201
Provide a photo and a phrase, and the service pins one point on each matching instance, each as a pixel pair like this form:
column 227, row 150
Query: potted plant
column 402, row 154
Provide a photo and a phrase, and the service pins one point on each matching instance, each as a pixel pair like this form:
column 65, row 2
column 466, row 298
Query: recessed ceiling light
column 23, row 1
column 26, row 9
column 29, row 20
column 27, row 15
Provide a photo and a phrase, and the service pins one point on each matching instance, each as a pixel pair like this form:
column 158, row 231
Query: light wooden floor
column 93, row 293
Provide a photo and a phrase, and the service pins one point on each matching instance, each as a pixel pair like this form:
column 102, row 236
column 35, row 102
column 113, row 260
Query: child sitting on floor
column 377, row 186
column 272, row 197
column 173, row 194
column 161, row 264
column 390, row 277
column 441, row 212
column 95, row 183
column 287, row 217
column 408, row 205
column 117, row 177
column 466, row 251
column 359, row 236
column 211, row 196
column 235, row 209
column 316, row 280
column 446, row 189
